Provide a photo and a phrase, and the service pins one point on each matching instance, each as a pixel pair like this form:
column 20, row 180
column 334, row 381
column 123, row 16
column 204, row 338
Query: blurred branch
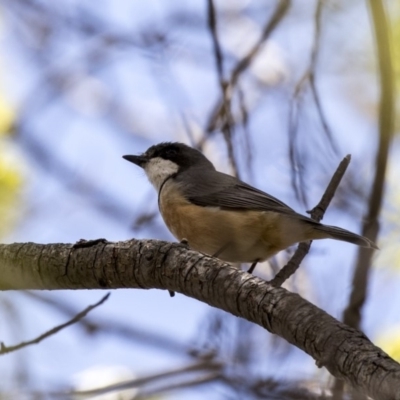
column 308, row 78
column 8, row 349
column 212, row 24
column 44, row 19
column 272, row 389
column 244, row 63
column 312, row 72
column 72, row 179
column 39, row 27
column 280, row 11
column 352, row 314
column 200, row 380
column 154, row 264
column 247, row 148
column 204, row 366
column 317, row 214
column 218, row 111
column 225, row 116
column 13, row 318
column 113, row 327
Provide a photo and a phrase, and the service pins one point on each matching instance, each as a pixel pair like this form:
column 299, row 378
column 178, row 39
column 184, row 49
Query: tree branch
column 226, row 114
column 113, row 326
column 8, row 349
column 344, row 351
column 317, row 214
column 242, row 65
column 202, row 366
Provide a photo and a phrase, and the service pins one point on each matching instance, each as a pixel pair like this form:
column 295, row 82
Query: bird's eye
column 171, row 153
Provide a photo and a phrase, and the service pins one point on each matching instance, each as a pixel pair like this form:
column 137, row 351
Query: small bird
column 222, row 216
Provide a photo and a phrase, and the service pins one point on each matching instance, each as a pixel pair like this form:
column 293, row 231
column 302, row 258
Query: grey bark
column 147, row 264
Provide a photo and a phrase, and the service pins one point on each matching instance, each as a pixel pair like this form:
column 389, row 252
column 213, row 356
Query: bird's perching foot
column 185, row 243
column 253, row 266
column 82, row 243
column 222, row 249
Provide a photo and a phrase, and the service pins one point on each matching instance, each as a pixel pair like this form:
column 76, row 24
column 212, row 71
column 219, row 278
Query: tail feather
column 336, row 233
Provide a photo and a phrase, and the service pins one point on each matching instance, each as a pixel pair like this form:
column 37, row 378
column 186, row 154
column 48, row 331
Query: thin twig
column 308, row 78
column 207, row 365
column 212, row 24
column 206, row 378
column 113, row 326
column 245, row 125
column 221, row 116
column 222, row 110
column 316, row 213
column 226, row 117
column 8, row 349
column 245, row 62
column 312, row 70
column 294, row 111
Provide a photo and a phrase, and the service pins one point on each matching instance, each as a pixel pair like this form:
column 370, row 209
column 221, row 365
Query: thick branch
column 344, row 351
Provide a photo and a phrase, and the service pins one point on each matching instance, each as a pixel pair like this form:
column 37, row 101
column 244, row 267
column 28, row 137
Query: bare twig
column 226, row 114
column 312, row 71
column 8, row 349
column 144, row 219
column 205, row 378
column 295, row 107
column 203, row 365
column 113, row 326
column 245, row 62
column 271, row 388
column 220, row 116
column 212, row 24
column 245, row 124
column 294, row 111
column 316, row 213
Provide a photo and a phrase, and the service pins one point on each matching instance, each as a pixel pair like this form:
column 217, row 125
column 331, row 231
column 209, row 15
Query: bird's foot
column 185, row 242
column 253, row 266
column 82, row 243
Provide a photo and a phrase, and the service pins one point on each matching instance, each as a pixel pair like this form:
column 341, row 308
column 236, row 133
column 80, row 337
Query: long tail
column 336, row 233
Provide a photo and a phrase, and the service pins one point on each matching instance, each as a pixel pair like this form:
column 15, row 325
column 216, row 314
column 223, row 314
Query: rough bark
column 345, row 352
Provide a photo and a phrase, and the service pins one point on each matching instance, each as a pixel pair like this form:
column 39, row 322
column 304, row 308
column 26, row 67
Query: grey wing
column 215, row 189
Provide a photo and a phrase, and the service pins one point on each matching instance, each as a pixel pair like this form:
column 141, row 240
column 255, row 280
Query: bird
column 222, row 216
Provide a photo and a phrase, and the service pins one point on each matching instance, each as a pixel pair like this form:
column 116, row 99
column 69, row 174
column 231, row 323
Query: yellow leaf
column 389, row 342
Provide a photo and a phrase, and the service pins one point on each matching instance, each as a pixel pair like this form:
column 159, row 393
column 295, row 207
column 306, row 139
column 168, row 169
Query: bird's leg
column 82, row 243
column 223, row 248
column 185, row 242
column 253, row 266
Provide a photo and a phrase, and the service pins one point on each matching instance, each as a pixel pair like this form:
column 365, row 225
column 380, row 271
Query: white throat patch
column 158, row 170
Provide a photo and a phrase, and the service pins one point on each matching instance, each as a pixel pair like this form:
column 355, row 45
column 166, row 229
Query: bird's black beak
column 138, row 160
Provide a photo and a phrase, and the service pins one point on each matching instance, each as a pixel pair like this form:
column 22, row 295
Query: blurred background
column 276, row 92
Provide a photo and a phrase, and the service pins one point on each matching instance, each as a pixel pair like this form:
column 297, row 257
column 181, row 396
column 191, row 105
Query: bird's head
column 165, row 160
